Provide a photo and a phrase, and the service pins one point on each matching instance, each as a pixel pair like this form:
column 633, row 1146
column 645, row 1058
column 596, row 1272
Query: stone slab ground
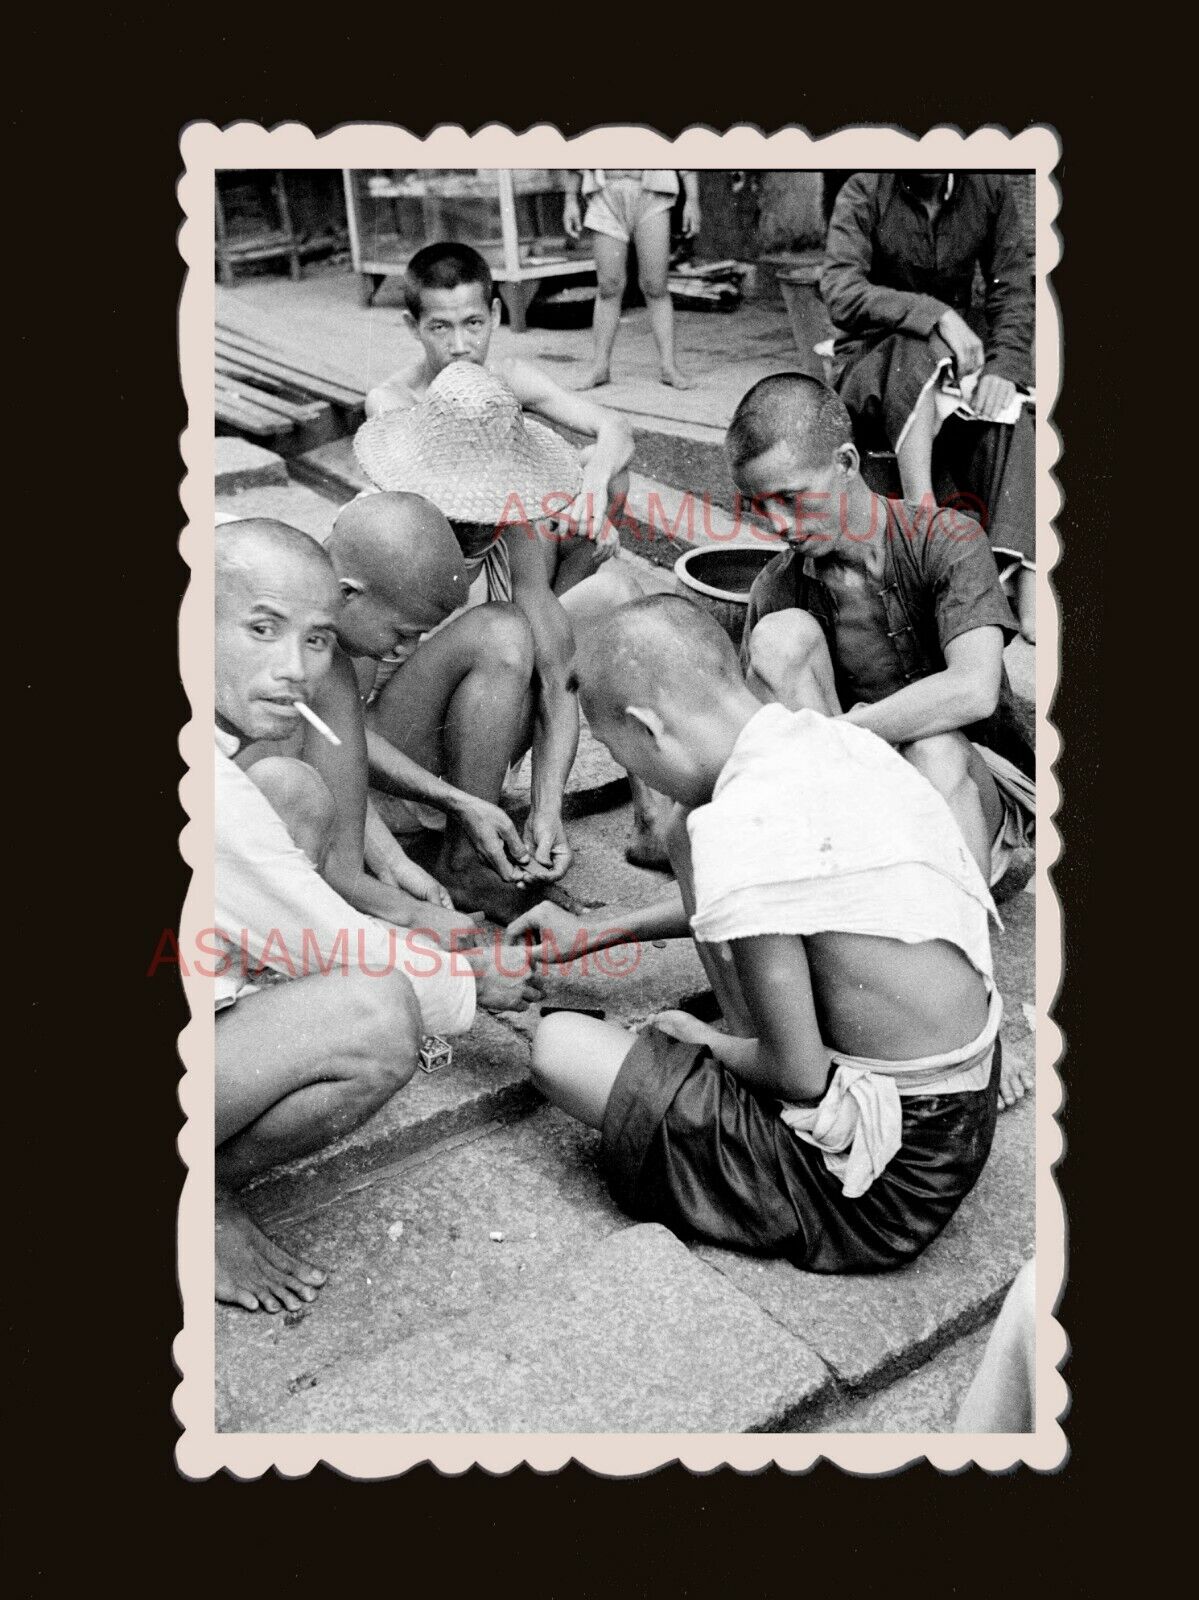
column 576, row 1320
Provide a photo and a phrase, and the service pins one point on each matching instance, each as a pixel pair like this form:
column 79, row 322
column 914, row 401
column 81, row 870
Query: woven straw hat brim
column 470, row 478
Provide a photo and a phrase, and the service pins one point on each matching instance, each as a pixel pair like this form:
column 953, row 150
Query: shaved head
column 277, row 602
column 651, row 652
column 247, row 550
column 788, row 408
column 399, row 541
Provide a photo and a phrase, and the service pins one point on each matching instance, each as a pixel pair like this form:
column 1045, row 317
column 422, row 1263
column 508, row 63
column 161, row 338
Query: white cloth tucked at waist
column 858, row 1123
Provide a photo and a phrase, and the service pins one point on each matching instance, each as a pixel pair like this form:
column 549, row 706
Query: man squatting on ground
column 893, row 610
column 495, row 474
column 301, row 1062
column 851, row 1104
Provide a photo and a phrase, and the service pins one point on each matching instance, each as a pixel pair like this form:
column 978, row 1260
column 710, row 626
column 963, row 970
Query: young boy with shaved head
column 851, row 1104
column 299, row 1063
column 448, row 695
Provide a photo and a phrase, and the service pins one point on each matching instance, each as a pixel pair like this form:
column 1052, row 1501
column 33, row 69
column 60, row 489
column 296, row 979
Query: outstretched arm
column 965, row 692
column 555, row 935
column 556, row 725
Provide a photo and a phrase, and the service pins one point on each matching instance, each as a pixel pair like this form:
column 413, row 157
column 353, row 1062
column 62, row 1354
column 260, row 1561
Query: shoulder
column 528, row 382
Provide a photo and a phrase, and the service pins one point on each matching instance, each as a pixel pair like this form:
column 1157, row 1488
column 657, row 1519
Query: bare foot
column 674, row 379
column 1015, row 1080
column 647, row 846
column 254, row 1273
column 472, row 884
column 596, row 378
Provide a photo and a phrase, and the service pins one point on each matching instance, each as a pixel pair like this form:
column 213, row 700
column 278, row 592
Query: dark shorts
column 687, row 1144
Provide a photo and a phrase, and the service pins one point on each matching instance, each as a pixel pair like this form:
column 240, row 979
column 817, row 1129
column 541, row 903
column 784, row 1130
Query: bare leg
column 611, row 269
column 298, row 1064
column 571, row 559
column 575, row 1061
column 653, row 256
column 789, row 662
column 915, row 455
column 957, row 772
column 615, row 584
column 1002, row 1397
column 460, row 706
column 302, row 799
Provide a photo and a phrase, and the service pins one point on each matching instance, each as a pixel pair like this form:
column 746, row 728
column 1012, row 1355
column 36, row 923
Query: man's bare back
column 893, row 1001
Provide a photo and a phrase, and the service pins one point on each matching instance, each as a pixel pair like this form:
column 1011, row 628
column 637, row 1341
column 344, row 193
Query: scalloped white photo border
column 202, row 1451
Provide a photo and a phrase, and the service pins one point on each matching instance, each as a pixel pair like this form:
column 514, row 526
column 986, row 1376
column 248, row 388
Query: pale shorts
column 618, row 208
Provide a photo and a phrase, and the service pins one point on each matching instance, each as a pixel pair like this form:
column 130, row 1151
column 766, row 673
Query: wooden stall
column 511, row 215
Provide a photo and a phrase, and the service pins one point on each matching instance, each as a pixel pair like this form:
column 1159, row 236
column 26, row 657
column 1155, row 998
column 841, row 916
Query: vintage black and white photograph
column 619, row 965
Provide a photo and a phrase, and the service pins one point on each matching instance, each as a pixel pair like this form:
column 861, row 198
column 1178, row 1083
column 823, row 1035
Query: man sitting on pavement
column 894, row 611
column 299, row 1063
column 451, row 306
column 502, row 480
column 851, row 1105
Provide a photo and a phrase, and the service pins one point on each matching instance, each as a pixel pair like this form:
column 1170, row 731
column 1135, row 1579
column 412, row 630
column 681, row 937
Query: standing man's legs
column 611, row 273
column 652, row 237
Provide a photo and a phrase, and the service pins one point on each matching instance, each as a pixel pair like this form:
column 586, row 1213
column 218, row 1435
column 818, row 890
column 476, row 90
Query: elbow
column 979, row 699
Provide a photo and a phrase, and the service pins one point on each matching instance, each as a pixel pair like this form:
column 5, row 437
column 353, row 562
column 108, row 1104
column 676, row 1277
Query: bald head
column 276, row 607
column 788, row 408
column 258, row 548
column 400, row 570
column 653, row 652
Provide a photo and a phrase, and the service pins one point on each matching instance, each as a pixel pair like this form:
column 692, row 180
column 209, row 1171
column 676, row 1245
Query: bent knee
column 296, row 791
column 554, row 1046
column 504, row 638
column 783, row 641
column 942, row 758
column 387, row 1032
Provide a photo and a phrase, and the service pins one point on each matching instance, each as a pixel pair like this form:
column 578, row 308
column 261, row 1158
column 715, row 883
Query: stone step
column 486, row 1080
column 288, row 502
column 926, row 1400
column 634, row 1336
column 242, row 465
column 870, row 1330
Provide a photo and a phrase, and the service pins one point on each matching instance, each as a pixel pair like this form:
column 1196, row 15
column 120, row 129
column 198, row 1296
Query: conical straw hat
column 469, row 448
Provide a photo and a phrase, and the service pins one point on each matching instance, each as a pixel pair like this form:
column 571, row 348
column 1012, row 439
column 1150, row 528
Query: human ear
column 350, row 588
column 848, row 460
column 649, row 719
column 409, row 322
column 497, row 311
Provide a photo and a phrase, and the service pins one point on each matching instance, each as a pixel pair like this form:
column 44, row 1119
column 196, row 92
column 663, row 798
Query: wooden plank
column 236, row 400
column 236, row 347
column 267, row 392
column 250, row 419
column 312, row 412
column 283, row 352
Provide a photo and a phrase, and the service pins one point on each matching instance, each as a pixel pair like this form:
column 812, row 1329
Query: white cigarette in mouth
column 309, row 715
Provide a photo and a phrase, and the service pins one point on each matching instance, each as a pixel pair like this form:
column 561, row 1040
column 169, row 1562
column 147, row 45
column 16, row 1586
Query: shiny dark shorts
column 687, row 1144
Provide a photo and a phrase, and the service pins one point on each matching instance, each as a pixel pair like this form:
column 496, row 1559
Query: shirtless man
column 850, row 1106
column 502, row 480
column 451, row 306
column 300, row 1062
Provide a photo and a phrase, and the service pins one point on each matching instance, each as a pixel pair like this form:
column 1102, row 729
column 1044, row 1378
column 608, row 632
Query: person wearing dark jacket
column 898, row 274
